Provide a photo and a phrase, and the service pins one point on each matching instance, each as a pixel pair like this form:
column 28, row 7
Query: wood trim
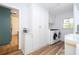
column 12, row 46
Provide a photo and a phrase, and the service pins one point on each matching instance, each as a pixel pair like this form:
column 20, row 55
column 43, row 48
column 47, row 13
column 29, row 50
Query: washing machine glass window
column 55, row 36
column 59, row 35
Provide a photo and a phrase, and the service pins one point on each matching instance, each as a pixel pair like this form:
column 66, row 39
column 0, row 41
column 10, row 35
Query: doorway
column 10, row 32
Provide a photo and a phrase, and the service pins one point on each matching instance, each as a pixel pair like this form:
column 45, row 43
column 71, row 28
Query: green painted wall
column 5, row 26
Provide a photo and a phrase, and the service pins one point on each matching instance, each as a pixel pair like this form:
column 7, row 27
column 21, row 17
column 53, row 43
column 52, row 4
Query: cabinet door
column 70, row 49
column 5, row 26
column 77, row 49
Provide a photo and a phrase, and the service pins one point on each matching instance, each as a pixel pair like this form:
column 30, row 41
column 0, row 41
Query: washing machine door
column 55, row 36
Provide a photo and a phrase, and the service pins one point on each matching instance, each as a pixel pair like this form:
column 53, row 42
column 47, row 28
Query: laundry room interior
column 39, row 28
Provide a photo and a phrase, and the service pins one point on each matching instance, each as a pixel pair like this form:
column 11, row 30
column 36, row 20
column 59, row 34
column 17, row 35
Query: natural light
column 68, row 23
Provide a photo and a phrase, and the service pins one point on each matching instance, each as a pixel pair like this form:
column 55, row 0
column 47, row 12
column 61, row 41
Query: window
column 68, row 23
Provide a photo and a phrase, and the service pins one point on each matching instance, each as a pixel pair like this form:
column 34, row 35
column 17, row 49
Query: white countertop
column 73, row 37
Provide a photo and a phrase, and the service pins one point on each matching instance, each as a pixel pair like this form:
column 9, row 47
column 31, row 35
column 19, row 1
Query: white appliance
column 54, row 33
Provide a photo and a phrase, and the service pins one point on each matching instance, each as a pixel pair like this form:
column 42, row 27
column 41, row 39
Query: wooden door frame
column 10, row 21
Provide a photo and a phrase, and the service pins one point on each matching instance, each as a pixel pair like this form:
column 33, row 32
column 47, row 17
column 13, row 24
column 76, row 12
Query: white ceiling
column 57, row 8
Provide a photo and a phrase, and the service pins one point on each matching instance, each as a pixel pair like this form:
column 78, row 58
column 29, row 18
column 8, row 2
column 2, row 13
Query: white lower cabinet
column 77, row 49
column 70, row 49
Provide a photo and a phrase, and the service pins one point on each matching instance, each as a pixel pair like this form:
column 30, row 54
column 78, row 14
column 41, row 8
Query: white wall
column 76, row 16
column 58, row 21
column 40, row 29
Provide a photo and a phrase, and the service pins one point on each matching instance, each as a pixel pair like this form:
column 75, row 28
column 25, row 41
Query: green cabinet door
column 5, row 26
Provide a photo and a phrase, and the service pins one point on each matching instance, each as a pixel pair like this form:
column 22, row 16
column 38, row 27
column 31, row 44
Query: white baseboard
column 62, row 40
column 28, row 52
